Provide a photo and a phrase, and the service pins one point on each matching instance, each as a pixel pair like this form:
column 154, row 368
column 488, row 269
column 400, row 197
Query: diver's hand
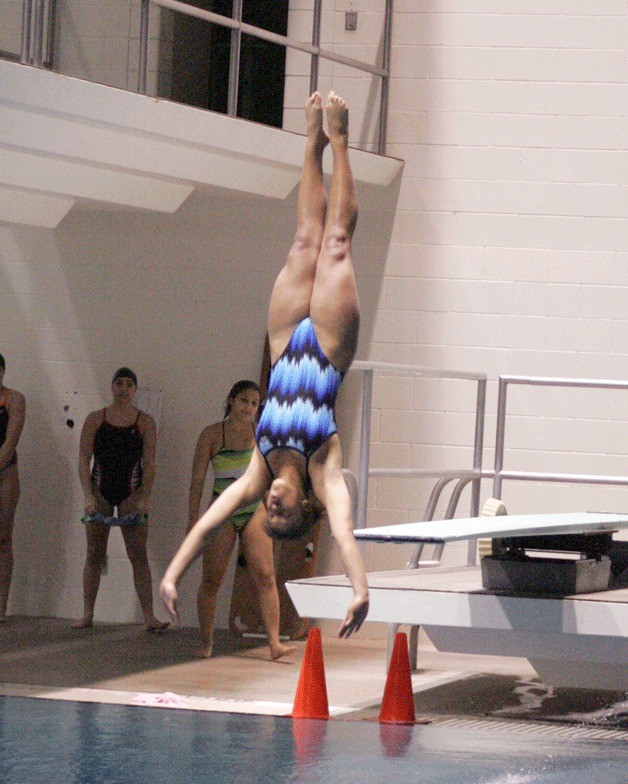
column 356, row 614
column 170, row 597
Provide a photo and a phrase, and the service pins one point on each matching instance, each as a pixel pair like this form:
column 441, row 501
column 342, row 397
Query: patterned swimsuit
column 229, row 465
column 299, row 409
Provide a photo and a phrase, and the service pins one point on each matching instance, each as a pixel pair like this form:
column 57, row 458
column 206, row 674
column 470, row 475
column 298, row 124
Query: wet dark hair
column 3, row 364
column 124, row 372
column 240, row 386
column 300, row 523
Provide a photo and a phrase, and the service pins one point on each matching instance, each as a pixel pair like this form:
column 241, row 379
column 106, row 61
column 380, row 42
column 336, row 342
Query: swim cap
column 125, row 372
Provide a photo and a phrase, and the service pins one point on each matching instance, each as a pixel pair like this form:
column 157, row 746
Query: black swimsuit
column 117, row 470
column 4, row 425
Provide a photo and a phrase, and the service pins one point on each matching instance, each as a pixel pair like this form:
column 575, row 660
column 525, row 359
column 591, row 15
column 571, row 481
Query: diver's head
column 290, row 512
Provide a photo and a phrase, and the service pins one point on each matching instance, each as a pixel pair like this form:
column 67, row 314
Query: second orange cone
column 310, row 701
column 398, row 701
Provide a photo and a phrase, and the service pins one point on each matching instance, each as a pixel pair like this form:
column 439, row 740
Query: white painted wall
column 181, row 299
column 509, row 255
column 11, row 26
column 110, row 289
column 510, row 245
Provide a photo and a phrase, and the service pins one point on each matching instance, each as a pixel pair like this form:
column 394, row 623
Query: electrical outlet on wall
column 351, row 20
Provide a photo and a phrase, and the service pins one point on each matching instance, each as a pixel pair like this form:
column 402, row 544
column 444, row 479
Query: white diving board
column 500, row 527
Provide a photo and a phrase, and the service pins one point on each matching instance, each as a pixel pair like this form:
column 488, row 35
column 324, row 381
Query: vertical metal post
column 316, row 41
column 500, row 437
column 478, row 444
column 478, row 447
column 144, row 18
column 365, row 445
column 386, row 49
column 38, row 33
column 50, row 33
column 27, row 14
column 234, row 61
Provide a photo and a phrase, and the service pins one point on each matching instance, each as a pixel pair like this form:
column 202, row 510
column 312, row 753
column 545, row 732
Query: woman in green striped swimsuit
column 228, row 445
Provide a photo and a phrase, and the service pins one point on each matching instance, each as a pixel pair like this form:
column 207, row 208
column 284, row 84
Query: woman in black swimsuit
column 12, row 412
column 121, row 439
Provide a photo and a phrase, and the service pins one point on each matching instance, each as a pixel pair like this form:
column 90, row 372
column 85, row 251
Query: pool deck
column 123, row 663
column 112, row 663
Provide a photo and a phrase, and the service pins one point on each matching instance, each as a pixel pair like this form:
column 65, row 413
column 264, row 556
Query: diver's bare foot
column 86, row 622
column 155, row 625
column 314, row 115
column 279, row 650
column 337, row 118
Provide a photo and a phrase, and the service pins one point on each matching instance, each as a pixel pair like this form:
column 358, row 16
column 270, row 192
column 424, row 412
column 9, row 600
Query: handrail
column 238, row 27
column 267, row 35
column 36, row 28
column 392, row 368
column 473, row 474
column 534, row 476
column 38, row 32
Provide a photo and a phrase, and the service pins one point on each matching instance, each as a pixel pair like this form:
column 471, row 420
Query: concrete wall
column 11, row 27
column 111, row 289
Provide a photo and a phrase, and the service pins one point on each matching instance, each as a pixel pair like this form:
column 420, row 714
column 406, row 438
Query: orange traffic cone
column 310, row 701
column 398, row 700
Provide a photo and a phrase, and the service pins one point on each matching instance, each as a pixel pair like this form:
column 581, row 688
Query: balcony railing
column 38, row 39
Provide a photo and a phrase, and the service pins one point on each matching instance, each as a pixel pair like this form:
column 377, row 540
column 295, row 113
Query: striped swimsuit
column 299, row 409
column 229, row 465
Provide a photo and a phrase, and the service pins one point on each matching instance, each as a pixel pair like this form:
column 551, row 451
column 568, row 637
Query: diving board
column 501, row 527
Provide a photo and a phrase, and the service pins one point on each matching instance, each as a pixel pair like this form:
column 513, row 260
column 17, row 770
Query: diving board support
column 579, row 640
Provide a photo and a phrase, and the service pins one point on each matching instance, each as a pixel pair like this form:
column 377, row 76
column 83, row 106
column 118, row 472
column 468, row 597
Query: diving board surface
column 500, row 527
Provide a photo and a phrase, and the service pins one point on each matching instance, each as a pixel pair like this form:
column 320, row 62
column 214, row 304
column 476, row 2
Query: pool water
column 53, row 741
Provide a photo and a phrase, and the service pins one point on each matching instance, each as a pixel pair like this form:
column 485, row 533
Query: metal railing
column 38, row 36
column 38, row 32
column 238, row 28
column 464, row 476
column 534, row 476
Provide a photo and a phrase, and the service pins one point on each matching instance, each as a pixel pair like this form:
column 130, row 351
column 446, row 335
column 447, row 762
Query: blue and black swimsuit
column 299, row 409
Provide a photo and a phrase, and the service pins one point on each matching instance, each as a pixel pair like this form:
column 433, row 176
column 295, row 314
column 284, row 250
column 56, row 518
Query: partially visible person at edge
column 12, row 414
column 228, row 445
column 313, row 322
column 121, row 439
